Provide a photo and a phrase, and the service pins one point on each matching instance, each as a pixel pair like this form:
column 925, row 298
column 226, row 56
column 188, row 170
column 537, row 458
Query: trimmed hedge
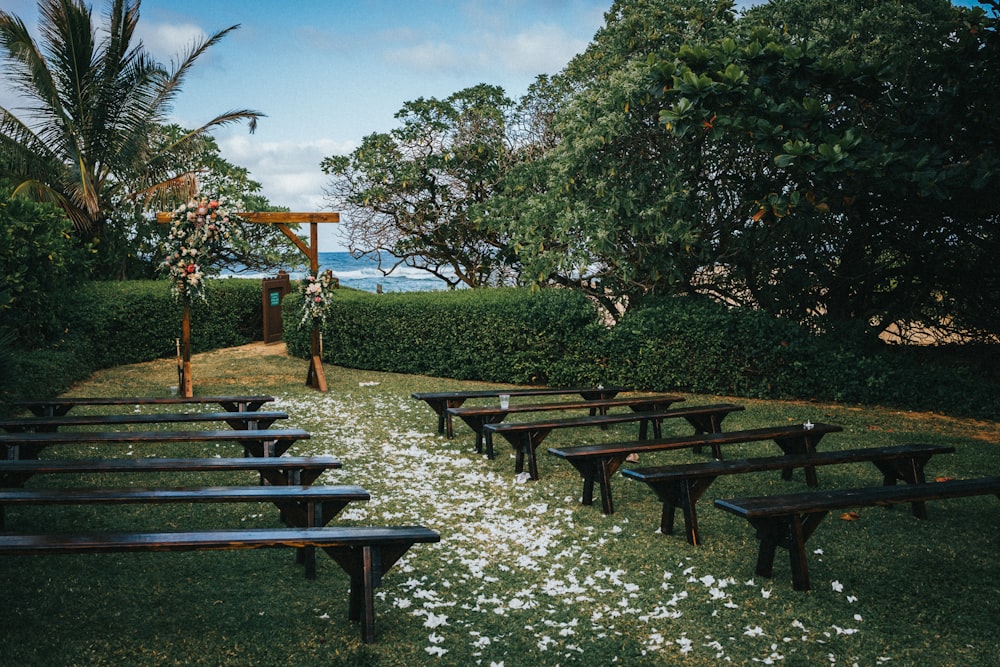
column 695, row 345
column 549, row 337
column 675, row 344
column 113, row 323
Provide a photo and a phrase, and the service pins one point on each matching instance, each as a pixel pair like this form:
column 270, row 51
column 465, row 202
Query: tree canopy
column 410, row 195
column 95, row 102
column 824, row 160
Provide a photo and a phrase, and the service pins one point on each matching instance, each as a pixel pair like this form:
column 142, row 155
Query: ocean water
column 363, row 274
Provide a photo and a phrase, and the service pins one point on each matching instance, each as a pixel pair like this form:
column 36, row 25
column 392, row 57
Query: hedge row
column 551, row 337
column 681, row 344
column 113, row 323
column 548, row 337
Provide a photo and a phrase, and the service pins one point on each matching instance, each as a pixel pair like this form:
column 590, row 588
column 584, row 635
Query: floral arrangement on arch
column 317, row 295
column 199, row 230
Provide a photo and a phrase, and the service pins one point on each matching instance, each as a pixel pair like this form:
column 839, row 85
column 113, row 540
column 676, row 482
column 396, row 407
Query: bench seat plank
column 256, row 419
column 440, row 401
column 478, row 416
column 276, row 470
column 789, row 520
column 365, row 553
column 256, row 442
column 54, row 407
column 681, row 486
column 526, row 436
column 598, row 463
column 301, row 506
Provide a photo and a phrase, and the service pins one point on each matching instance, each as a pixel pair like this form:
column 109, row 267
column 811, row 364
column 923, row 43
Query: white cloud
column 541, row 49
column 288, row 171
column 168, row 41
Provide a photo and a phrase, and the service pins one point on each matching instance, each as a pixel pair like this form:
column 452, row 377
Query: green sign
column 275, row 297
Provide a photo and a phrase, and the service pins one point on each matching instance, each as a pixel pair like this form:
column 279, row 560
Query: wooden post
column 316, row 378
column 187, row 387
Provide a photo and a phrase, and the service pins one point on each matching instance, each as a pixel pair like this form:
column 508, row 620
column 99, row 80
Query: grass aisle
column 523, row 575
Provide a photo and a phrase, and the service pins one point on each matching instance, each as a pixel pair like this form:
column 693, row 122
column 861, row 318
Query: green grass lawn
column 524, row 574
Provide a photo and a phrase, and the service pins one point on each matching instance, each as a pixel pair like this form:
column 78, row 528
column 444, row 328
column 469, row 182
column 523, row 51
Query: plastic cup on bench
column 504, row 401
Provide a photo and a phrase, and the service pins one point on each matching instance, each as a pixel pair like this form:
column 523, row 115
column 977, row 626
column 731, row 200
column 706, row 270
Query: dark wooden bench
column 598, row 463
column 681, row 486
column 478, row 416
column 257, row 419
column 257, row 442
column 526, row 436
column 277, row 470
column 440, row 401
column 301, row 506
column 365, row 553
column 787, row 521
column 54, row 407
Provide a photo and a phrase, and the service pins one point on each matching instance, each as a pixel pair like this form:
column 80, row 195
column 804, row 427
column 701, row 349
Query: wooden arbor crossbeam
column 315, row 377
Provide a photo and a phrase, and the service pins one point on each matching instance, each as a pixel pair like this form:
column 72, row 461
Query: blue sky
column 328, row 72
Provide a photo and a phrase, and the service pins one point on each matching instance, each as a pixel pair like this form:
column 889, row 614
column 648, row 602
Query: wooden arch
column 315, row 378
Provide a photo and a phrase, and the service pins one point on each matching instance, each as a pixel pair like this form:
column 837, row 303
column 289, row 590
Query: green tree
column 407, row 194
column 872, row 131
column 94, row 106
column 37, row 265
column 253, row 247
column 607, row 209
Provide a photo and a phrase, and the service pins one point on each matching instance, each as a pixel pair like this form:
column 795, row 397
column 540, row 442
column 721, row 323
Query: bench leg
column 607, row 470
column 667, row 518
column 909, row 470
column 690, row 492
column 365, row 565
column 797, row 556
column 368, row 581
column 486, row 438
column 533, row 439
column 589, row 474
column 790, row 532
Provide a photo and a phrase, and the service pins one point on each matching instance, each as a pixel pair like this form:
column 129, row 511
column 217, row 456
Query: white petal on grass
column 434, row 620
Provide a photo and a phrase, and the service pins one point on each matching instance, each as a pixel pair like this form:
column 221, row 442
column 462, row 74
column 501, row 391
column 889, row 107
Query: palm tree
column 84, row 141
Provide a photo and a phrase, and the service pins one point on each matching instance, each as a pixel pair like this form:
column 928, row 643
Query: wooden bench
column 526, row 436
column 440, row 401
column 257, row 419
column 477, row 417
column 787, row 521
column 54, row 407
column 598, row 463
column 277, row 470
column 681, row 486
column 365, row 553
column 255, row 442
column 301, row 506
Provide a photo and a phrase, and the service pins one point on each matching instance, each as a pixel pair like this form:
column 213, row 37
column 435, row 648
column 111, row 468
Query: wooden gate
column 273, row 291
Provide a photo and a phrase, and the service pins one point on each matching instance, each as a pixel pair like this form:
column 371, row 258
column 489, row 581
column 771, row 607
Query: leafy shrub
column 686, row 344
column 112, row 323
column 39, row 262
column 499, row 335
column 675, row 344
